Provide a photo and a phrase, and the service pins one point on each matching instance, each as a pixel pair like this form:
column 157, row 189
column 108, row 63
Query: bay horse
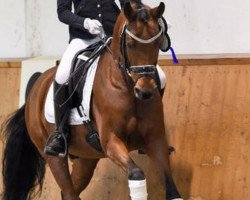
column 127, row 111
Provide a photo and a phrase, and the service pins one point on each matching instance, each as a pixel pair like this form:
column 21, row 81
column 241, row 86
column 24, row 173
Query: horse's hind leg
column 82, row 173
column 60, row 170
column 157, row 150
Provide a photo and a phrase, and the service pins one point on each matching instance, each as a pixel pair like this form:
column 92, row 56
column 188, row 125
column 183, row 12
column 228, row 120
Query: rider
column 90, row 20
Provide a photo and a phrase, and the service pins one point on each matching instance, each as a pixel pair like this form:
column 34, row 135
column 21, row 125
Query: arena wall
column 32, row 28
column 206, row 105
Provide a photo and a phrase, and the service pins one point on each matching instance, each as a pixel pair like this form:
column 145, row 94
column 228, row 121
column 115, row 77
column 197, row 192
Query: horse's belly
column 78, row 145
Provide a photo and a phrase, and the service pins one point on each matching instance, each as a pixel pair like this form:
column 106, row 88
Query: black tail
column 23, row 166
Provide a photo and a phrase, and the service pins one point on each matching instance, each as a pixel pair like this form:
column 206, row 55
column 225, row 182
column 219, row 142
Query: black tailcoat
column 105, row 11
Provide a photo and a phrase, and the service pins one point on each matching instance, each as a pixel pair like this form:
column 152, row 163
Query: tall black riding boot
column 57, row 142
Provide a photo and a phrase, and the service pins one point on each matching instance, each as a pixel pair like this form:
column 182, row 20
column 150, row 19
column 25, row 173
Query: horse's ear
column 157, row 12
column 128, row 11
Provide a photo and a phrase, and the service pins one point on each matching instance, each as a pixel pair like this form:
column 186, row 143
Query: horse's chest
column 135, row 133
column 138, row 126
column 131, row 125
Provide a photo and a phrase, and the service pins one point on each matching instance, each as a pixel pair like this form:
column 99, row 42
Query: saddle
column 80, row 65
column 82, row 61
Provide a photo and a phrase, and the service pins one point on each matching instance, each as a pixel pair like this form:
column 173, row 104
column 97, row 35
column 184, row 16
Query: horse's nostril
column 146, row 95
column 143, row 95
column 137, row 91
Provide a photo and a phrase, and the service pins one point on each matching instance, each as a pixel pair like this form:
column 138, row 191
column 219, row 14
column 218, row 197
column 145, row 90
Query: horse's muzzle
column 143, row 95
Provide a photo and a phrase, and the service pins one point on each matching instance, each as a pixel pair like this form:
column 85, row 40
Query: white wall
column 214, row 26
column 45, row 34
column 12, row 28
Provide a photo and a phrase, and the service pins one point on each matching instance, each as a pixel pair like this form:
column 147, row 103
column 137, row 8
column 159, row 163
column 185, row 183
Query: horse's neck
column 113, row 76
column 115, row 46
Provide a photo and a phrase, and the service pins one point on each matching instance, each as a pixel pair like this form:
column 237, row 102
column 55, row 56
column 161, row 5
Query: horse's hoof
column 136, row 174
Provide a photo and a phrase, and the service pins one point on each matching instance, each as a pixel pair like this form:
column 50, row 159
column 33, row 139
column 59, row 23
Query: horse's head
column 140, row 39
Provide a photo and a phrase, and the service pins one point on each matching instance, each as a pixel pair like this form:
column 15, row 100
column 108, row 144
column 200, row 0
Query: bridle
column 139, row 70
column 142, row 40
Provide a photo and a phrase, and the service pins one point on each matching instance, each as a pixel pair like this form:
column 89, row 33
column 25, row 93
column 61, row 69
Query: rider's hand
column 93, row 26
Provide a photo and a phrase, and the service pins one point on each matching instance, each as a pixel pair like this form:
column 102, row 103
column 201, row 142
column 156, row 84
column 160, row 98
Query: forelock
column 142, row 13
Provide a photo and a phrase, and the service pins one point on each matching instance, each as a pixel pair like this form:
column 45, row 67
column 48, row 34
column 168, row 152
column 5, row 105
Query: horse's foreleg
column 82, row 173
column 118, row 153
column 60, row 170
column 157, row 150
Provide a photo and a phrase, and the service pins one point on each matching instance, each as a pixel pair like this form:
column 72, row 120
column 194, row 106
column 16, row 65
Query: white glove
column 93, row 26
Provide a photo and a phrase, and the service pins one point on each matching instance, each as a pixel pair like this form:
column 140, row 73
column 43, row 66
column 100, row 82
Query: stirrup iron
column 52, row 136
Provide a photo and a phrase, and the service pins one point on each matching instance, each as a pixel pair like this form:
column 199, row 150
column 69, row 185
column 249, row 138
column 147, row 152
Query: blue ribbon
column 174, row 57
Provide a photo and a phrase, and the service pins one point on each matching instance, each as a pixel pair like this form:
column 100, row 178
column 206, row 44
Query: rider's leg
column 162, row 78
column 57, row 145
column 64, row 67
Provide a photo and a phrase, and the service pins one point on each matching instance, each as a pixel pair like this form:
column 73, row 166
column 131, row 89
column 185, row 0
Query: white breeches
column 76, row 45
column 64, row 67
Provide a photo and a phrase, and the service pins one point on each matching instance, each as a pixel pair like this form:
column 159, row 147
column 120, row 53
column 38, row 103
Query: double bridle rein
column 140, row 70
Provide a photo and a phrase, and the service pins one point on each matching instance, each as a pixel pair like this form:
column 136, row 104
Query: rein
column 87, row 63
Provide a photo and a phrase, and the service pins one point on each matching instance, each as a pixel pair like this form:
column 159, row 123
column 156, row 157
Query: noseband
column 141, row 71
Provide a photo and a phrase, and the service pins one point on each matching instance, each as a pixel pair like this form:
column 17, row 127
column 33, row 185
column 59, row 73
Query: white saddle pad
column 74, row 118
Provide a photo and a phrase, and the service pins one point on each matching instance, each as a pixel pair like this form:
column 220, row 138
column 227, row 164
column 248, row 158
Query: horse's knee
column 136, row 174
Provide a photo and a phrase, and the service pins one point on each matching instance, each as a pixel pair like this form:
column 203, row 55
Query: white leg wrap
column 162, row 76
column 138, row 189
